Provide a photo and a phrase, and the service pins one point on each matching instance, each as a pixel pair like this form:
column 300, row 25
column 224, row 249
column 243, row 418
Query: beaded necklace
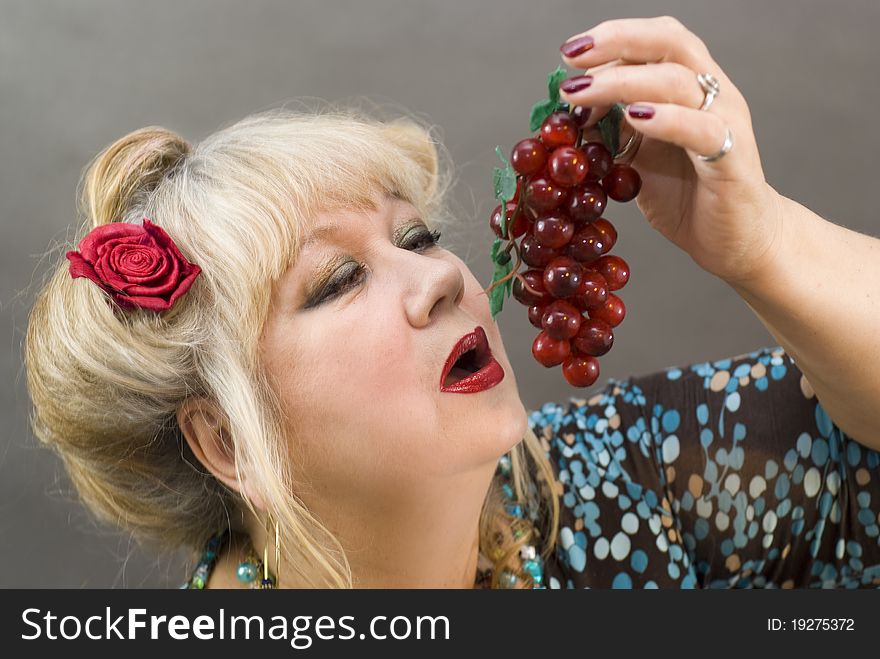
column 532, row 571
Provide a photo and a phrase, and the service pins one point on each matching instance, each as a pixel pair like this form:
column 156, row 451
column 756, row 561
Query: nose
column 436, row 282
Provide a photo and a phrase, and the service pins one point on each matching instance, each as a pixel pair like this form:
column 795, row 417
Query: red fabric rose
column 140, row 266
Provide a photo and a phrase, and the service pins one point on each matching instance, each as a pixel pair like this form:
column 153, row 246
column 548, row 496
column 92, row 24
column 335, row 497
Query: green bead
column 198, row 583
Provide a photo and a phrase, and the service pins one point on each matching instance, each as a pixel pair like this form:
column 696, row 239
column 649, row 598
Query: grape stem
column 510, row 274
column 513, row 273
column 512, row 218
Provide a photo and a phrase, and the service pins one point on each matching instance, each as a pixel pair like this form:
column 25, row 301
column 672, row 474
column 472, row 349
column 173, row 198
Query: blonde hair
column 106, row 387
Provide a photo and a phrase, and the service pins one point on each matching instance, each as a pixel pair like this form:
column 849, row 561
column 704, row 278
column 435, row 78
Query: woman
column 276, row 396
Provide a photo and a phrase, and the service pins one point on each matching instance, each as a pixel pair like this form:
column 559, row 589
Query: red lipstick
column 470, row 365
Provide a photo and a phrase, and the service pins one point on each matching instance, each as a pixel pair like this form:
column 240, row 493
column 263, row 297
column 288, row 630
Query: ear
column 210, row 441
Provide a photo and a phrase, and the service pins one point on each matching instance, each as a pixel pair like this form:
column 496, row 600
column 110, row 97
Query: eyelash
column 428, row 239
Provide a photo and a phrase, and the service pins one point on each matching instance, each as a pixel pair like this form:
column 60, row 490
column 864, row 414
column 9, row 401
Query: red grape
column 553, row 230
column 595, row 337
column 544, row 195
column 558, row 129
column 622, row 183
column 609, row 233
column 586, row 202
column 535, row 279
column 580, row 370
column 536, row 314
column 599, row 160
column 528, row 156
column 534, row 253
column 567, row 166
column 592, row 292
column 562, row 277
column 549, row 351
column 612, row 311
column 614, row 269
column 586, row 245
column 580, row 115
column 516, row 227
column 561, row 320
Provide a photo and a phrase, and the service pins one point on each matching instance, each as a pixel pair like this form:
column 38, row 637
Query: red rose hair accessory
column 140, row 266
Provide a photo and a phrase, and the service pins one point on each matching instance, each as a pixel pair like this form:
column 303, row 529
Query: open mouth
column 469, row 356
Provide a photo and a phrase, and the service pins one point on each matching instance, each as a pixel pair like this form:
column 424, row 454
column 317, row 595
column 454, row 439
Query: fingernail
column 640, row 111
column 577, row 46
column 576, row 84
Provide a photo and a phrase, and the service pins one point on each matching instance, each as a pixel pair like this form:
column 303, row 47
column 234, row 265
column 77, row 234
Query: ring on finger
column 711, row 88
column 628, row 152
column 725, row 148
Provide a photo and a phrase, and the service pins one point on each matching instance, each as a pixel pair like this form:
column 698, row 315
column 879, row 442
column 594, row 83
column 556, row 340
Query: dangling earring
column 254, row 570
column 268, row 581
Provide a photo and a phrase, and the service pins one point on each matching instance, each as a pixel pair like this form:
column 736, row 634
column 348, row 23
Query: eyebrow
column 320, row 234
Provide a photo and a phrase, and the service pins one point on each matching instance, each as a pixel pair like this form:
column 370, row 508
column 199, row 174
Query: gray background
column 74, row 76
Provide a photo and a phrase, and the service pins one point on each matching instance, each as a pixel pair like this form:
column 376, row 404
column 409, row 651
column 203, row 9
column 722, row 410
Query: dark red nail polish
column 577, row 46
column 576, row 84
column 641, row 111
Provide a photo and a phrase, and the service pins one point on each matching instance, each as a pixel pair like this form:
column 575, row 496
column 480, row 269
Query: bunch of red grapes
column 562, row 190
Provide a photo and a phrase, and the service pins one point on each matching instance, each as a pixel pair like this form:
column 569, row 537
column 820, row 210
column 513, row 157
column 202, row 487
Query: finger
column 667, row 82
column 696, row 131
column 660, row 39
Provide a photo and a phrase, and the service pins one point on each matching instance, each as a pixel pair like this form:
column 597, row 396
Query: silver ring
column 725, row 148
column 711, row 88
column 632, row 144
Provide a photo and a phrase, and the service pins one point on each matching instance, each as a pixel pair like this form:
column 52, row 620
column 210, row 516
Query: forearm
column 820, row 299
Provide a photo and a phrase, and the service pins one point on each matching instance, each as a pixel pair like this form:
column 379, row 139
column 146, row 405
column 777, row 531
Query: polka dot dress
column 725, row 474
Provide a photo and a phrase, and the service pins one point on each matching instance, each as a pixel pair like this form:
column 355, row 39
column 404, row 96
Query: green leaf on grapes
column 497, row 294
column 609, row 127
column 497, row 173
column 505, row 186
column 553, row 81
column 497, row 254
column 504, row 181
column 543, row 109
